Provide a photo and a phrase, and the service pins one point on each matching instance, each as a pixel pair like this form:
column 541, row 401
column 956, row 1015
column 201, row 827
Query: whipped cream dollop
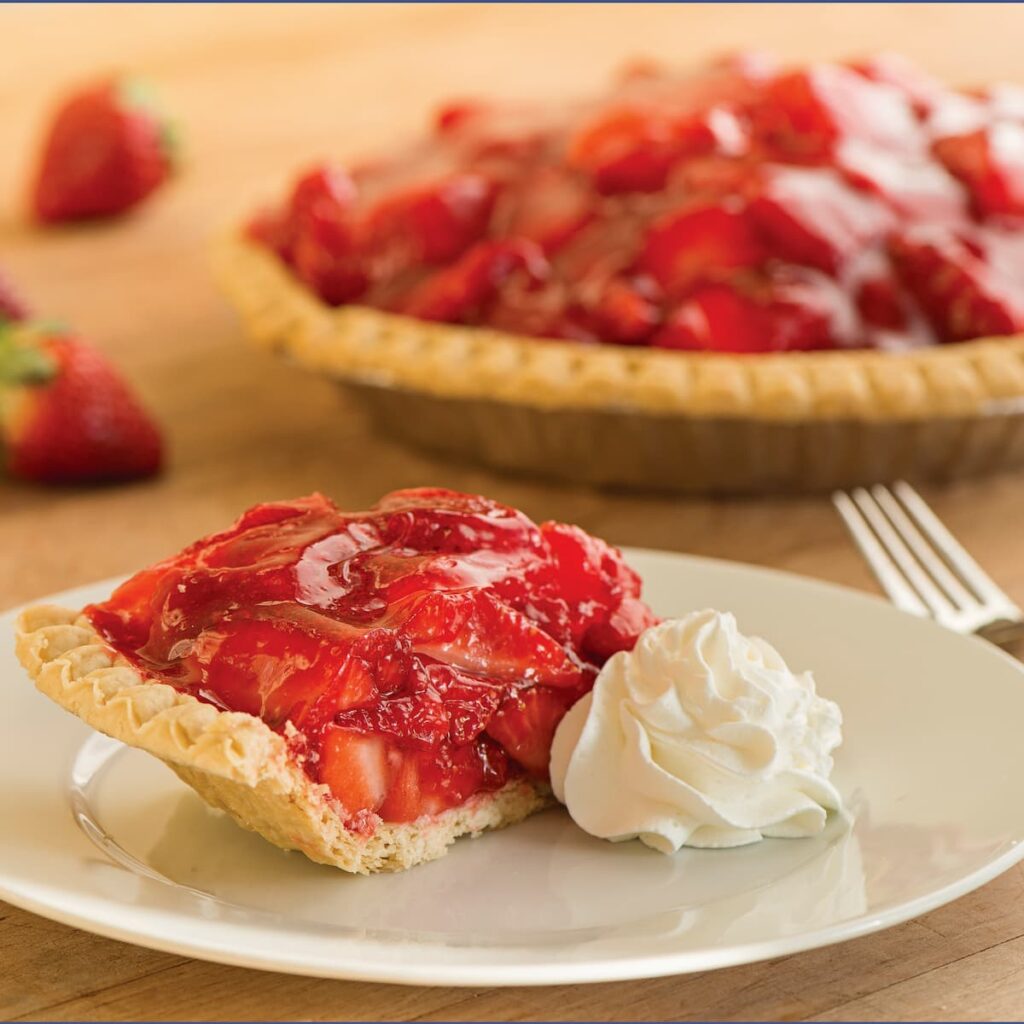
column 699, row 736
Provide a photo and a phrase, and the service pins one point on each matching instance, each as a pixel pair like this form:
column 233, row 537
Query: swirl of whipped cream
column 700, row 736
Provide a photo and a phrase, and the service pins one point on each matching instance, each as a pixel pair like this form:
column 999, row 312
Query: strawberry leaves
column 22, row 361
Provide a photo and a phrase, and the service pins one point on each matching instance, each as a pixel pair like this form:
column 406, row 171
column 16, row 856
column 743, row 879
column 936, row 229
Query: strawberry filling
column 415, row 654
column 679, row 211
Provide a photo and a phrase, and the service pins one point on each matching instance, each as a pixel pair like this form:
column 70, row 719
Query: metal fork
column 921, row 565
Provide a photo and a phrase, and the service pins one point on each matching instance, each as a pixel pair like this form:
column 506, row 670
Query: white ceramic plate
column 105, row 838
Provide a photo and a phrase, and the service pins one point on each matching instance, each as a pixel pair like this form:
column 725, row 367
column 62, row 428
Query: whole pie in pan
column 740, row 266
column 364, row 687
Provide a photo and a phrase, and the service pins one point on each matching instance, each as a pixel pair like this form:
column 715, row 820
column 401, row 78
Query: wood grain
column 259, row 90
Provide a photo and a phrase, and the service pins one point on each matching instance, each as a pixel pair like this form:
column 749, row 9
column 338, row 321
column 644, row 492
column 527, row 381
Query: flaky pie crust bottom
column 234, row 760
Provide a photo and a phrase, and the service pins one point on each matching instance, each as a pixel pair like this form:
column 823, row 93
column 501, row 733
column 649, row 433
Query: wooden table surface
column 258, row 90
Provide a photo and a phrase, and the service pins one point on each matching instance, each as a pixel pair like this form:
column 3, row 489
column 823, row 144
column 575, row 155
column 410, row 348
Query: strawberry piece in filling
column 417, row 654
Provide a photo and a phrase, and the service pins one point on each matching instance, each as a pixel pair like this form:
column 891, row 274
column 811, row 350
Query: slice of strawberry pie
column 364, row 687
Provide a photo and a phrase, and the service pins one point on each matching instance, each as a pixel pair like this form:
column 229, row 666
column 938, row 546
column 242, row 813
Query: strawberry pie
column 786, row 277
column 364, row 687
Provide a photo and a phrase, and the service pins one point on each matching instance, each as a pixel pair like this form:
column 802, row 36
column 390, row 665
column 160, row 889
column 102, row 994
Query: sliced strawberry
column 377, row 663
column 433, row 707
column 809, row 311
column 475, row 632
column 416, row 718
column 801, row 116
column 326, row 188
column 958, row 292
column 716, row 178
column 700, row 244
column 881, row 303
column 627, row 311
column 814, row 218
column 324, row 256
column 805, row 312
column 404, row 800
column 715, row 318
column 990, row 162
column 355, row 769
column 550, row 207
column 633, row 148
column 525, row 305
column 430, row 224
column 270, row 665
column 599, row 591
column 435, row 519
column 525, row 725
column 469, row 701
column 76, row 422
column 317, row 235
column 106, row 151
column 462, row 770
column 270, row 513
column 624, row 150
column 456, row 293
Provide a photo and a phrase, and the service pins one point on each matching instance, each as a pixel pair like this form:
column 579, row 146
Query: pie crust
column 234, row 760
column 370, row 347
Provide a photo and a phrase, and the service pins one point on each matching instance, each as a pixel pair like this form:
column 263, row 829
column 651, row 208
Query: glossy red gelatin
column 679, row 211
column 423, row 651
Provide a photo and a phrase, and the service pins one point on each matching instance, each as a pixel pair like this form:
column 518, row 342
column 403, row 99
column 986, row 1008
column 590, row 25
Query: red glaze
column 424, row 650
column 679, row 212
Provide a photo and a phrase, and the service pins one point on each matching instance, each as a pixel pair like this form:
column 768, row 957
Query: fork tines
column 921, row 565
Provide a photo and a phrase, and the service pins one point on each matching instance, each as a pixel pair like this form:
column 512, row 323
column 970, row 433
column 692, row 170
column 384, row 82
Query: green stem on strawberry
column 22, row 360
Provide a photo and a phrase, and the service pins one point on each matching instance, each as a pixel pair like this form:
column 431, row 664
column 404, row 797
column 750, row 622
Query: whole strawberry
column 107, row 149
column 66, row 416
